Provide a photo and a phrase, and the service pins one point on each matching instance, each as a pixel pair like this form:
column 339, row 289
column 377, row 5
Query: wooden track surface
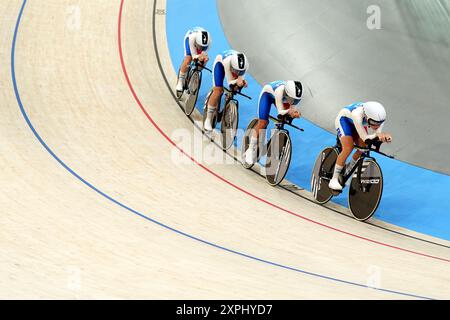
column 60, row 238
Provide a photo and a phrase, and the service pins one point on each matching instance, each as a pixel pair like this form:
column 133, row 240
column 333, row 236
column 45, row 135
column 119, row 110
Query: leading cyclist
column 352, row 125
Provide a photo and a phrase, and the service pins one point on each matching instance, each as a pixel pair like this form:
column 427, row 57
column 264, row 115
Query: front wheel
column 278, row 160
column 229, row 124
column 193, row 88
column 322, row 174
column 366, row 190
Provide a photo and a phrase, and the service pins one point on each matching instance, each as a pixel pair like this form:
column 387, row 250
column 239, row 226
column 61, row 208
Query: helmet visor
column 203, row 48
column 292, row 101
column 374, row 123
column 238, row 72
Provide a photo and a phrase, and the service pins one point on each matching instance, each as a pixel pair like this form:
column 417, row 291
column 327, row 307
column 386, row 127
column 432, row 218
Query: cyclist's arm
column 358, row 117
column 279, row 101
column 193, row 48
column 227, row 67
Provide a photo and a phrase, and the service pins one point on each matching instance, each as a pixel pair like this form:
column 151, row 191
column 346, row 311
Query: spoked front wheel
column 192, row 90
column 278, row 157
column 322, row 174
column 229, row 124
column 366, row 191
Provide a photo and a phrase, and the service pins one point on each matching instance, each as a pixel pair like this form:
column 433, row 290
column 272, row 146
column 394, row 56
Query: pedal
column 335, row 193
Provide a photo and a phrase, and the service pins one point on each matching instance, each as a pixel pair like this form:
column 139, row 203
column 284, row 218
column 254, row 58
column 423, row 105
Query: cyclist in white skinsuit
column 285, row 95
column 231, row 65
column 196, row 44
column 352, row 125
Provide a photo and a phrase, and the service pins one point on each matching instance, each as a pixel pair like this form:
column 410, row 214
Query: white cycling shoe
column 208, row 125
column 335, row 185
column 179, row 86
column 250, row 155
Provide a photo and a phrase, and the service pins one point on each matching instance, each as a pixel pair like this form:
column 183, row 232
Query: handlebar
column 285, row 120
column 201, row 66
column 238, row 92
column 373, row 145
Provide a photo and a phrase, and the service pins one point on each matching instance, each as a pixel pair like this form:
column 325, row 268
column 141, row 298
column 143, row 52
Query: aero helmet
column 203, row 39
column 239, row 63
column 375, row 113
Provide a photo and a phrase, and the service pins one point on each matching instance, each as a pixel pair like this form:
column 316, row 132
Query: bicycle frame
column 365, row 155
column 282, row 121
column 280, row 124
column 194, row 66
column 229, row 96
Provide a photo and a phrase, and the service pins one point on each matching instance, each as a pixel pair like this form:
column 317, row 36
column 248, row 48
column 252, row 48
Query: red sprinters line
column 130, row 85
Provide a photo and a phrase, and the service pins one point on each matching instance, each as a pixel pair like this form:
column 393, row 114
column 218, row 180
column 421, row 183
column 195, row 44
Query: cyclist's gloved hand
column 241, row 83
column 294, row 113
column 384, row 137
column 203, row 58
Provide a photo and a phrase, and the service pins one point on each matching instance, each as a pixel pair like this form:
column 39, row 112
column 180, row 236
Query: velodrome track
column 91, row 194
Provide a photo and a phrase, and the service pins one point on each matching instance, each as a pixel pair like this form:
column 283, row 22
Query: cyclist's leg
column 214, row 98
column 187, row 56
column 358, row 153
column 218, row 78
column 345, row 130
column 185, row 64
column 264, row 104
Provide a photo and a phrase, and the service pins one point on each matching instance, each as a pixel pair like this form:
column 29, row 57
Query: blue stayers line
column 22, row 109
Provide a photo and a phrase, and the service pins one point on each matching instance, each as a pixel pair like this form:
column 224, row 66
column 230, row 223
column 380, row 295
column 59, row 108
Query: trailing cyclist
column 196, row 44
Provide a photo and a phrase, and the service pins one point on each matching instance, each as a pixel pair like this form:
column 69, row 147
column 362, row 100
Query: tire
column 365, row 194
column 229, row 124
column 322, row 174
column 279, row 153
column 246, row 142
column 192, row 90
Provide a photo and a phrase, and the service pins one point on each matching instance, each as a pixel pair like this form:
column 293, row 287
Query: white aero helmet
column 294, row 90
column 239, row 63
column 203, row 39
column 375, row 113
